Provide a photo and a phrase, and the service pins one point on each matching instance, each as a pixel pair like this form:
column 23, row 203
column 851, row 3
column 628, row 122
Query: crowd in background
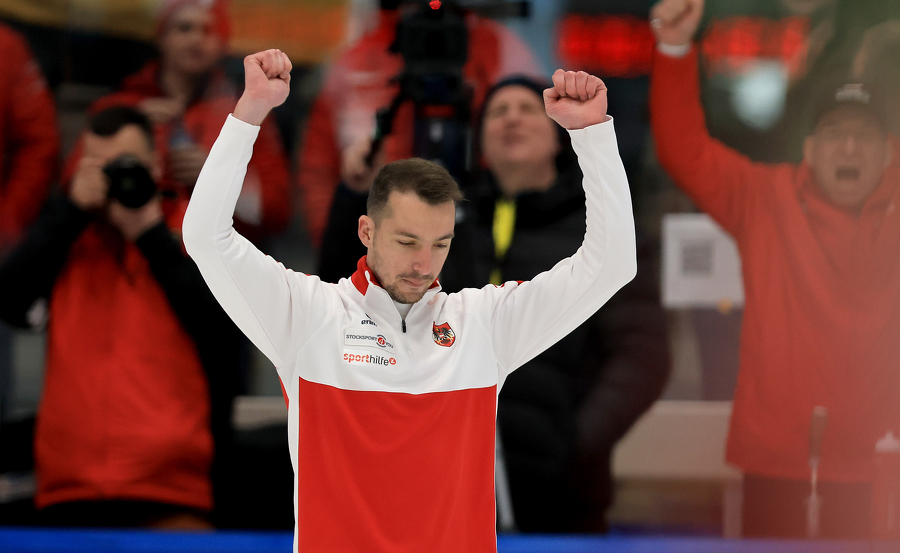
column 142, row 366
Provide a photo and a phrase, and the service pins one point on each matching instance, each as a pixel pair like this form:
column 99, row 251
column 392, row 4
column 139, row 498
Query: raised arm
column 276, row 308
column 717, row 178
column 531, row 316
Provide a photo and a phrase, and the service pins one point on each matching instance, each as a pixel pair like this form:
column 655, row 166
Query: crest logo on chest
column 443, row 335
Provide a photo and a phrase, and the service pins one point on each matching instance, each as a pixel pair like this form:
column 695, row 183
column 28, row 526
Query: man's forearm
column 30, row 270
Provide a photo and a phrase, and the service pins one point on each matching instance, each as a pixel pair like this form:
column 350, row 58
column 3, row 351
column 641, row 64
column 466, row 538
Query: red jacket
column 822, row 316
column 203, row 119
column 125, row 408
column 29, row 139
column 357, row 85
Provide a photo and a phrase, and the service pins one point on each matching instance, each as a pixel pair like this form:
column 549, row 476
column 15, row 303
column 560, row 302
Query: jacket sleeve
column 717, row 178
column 32, row 142
column 276, row 308
column 28, row 273
column 528, row 317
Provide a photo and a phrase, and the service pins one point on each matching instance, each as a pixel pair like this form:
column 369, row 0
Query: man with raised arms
column 399, row 455
column 818, row 244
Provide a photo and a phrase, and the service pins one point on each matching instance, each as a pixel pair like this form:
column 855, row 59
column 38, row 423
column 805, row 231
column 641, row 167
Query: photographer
column 126, row 427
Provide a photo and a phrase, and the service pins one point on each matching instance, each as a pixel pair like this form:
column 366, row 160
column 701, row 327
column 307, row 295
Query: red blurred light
column 609, row 45
column 435, row 4
column 622, row 45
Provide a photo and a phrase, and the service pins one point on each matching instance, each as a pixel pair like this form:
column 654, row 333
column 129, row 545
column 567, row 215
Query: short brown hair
column 428, row 180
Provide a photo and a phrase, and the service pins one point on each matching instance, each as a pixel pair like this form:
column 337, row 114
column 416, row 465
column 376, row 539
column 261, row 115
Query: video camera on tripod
column 433, row 41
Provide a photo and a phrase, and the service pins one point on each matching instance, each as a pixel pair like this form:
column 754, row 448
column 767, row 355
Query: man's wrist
column 674, row 50
column 250, row 111
column 606, row 117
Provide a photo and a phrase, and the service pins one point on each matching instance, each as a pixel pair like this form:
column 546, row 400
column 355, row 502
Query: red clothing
column 357, row 85
column 125, row 409
column 822, row 288
column 29, row 139
column 202, row 121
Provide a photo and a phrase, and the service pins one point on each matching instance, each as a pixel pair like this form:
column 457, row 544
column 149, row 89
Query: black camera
column 130, row 182
column 433, row 40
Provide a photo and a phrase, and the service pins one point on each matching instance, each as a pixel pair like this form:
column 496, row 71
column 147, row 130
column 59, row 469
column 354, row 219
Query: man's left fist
column 576, row 100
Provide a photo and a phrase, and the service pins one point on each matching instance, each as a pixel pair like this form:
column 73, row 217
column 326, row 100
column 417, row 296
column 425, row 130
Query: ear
column 808, row 149
column 366, row 230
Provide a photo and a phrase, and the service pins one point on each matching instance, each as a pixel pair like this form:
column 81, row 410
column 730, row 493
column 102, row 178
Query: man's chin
column 404, row 297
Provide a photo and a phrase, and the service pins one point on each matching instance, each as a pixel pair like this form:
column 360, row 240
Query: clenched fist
column 675, row 22
column 576, row 100
column 267, row 80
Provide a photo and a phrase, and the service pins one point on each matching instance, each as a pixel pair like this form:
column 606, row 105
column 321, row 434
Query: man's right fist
column 267, row 79
column 674, row 22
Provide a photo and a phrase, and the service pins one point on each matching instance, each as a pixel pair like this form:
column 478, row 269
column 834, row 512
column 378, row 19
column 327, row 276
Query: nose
column 512, row 117
column 422, row 261
column 850, row 143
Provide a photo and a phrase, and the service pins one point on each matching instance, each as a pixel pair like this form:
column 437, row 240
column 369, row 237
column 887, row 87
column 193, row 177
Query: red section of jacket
column 358, row 85
column 125, row 409
column 29, row 138
column 203, row 120
column 822, row 287
column 388, row 471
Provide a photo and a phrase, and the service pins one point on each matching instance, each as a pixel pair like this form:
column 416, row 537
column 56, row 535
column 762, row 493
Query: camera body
column 130, row 182
column 433, row 41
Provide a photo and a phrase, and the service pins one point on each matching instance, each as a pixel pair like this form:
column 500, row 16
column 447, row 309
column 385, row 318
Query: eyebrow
column 415, row 237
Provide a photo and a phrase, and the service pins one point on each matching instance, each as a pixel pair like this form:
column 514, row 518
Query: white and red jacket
column 391, row 421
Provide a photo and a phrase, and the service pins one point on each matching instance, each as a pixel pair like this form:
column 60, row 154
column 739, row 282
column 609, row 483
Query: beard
column 400, row 297
column 393, row 288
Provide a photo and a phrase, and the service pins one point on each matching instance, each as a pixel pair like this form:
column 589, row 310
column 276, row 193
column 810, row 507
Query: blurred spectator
column 29, row 138
column 818, row 247
column 359, row 83
column 561, row 413
column 123, row 432
column 187, row 96
column 29, row 161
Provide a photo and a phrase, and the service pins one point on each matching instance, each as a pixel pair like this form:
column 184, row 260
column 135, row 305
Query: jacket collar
column 364, row 276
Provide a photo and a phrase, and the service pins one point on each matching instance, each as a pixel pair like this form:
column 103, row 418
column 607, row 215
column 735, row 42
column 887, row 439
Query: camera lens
column 130, row 182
